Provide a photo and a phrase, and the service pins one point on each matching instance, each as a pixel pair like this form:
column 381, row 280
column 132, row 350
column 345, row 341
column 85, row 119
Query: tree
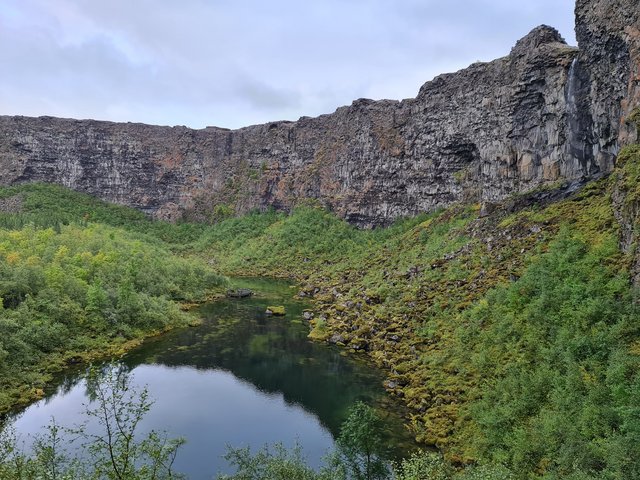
column 272, row 463
column 360, row 446
column 116, row 452
column 423, row 466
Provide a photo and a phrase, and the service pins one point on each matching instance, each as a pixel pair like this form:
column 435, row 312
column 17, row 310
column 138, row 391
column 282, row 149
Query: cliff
column 547, row 112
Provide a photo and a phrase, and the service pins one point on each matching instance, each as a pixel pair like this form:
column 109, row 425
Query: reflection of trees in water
column 274, row 355
column 117, row 374
column 62, row 384
column 68, row 383
column 114, row 450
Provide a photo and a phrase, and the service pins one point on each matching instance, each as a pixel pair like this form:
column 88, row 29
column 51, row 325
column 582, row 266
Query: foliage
column 558, row 380
column 634, row 117
column 69, row 293
column 359, row 455
column 423, row 466
column 360, row 446
column 433, row 466
column 222, row 211
column 275, row 244
column 46, row 205
column 116, row 452
column 279, row 463
column 274, row 463
column 628, row 174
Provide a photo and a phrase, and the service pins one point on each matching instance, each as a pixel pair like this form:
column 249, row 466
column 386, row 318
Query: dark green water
column 240, row 379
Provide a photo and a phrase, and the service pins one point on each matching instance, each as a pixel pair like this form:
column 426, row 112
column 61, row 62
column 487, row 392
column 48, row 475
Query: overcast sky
column 233, row 63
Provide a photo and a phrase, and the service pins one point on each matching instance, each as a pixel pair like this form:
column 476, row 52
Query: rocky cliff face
column 544, row 113
column 608, row 33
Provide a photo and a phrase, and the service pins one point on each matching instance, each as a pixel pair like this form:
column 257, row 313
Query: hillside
column 513, row 336
column 82, row 280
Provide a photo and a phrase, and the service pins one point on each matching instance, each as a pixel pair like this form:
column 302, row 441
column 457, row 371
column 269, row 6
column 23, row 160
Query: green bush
column 85, row 281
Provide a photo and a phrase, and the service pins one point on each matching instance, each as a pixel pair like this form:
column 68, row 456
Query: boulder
column 276, row 310
column 239, row 293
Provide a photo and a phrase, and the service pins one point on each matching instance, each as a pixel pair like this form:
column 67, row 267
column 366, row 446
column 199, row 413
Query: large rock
column 543, row 113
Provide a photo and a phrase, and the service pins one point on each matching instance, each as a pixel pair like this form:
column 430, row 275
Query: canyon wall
column 545, row 113
column 608, row 33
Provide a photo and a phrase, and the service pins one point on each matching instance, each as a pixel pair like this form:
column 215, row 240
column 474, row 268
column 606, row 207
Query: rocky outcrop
column 626, row 207
column 546, row 112
column 608, row 33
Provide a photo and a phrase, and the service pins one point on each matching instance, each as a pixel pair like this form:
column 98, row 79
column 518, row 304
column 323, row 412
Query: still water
column 242, row 378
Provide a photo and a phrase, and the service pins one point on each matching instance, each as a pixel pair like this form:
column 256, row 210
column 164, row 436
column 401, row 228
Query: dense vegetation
column 52, row 206
column 514, row 338
column 77, row 289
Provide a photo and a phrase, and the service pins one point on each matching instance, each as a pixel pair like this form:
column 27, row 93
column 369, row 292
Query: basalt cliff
column 546, row 113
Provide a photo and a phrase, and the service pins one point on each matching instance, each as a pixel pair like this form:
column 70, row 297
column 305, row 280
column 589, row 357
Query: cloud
column 233, row 63
column 262, row 96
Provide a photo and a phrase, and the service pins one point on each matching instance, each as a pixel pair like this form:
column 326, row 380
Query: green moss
column 319, row 332
column 634, row 117
column 628, row 172
column 276, row 310
column 223, row 211
column 462, row 175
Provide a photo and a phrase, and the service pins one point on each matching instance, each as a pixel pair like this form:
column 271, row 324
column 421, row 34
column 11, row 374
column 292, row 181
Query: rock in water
column 239, row 293
column 277, row 311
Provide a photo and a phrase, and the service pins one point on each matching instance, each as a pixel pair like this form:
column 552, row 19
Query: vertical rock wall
column 608, row 33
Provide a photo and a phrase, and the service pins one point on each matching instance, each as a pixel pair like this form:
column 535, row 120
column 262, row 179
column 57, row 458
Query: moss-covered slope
column 512, row 337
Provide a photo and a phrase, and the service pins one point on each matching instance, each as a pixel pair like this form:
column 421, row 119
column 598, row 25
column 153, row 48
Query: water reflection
column 241, row 378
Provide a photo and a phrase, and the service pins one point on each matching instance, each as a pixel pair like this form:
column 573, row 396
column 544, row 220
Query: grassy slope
column 513, row 338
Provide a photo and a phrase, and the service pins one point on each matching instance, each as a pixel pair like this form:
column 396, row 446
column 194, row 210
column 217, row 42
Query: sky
column 232, row 63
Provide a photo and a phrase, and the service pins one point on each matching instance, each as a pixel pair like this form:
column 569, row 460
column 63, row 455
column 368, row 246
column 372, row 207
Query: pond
column 242, row 378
